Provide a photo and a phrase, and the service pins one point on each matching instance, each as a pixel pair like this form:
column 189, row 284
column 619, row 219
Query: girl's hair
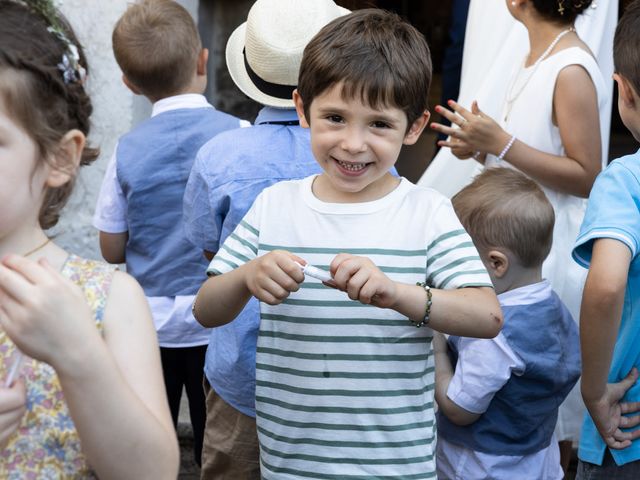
column 41, row 89
column 562, row 11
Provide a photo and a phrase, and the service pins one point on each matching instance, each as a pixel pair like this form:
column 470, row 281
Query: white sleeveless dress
column 530, row 120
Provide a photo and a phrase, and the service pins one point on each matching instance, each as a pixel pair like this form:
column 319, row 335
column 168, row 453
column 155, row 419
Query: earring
column 513, row 4
column 561, row 7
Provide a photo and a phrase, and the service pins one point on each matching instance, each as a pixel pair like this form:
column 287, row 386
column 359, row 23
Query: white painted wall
column 115, row 111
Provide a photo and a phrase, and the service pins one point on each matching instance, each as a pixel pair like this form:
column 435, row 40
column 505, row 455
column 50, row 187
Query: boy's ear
column 130, row 85
column 416, row 128
column 498, row 262
column 625, row 90
column 203, row 59
column 67, row 159
column 297, row 100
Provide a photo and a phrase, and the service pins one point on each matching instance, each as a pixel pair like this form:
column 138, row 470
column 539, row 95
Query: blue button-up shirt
column 229, row 172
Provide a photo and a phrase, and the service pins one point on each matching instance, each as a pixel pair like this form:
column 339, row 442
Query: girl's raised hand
column 13, row 402
column 474, row 131
column 44, row 313
column 362, row 280
column 274, row 276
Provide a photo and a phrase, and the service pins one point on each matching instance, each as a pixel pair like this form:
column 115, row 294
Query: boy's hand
column 363, row 281
column 274, row 276
column 608, row 413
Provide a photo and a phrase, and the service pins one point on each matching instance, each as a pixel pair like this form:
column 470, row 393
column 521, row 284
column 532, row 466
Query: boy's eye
column 381, row 124
column 334, row 118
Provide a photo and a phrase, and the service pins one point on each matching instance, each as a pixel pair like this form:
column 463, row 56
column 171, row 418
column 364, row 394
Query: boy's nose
column 354, row 141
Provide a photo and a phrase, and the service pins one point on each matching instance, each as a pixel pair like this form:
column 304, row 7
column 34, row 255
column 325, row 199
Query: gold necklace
column 39, row 247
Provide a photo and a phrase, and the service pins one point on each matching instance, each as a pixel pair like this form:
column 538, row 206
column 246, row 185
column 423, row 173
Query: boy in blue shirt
column 609, row 245
column 263, row 57
column 139, row 211
column 499, row 400
column 344, row 379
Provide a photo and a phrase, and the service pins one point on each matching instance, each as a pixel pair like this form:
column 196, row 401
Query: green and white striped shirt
column 345, row 390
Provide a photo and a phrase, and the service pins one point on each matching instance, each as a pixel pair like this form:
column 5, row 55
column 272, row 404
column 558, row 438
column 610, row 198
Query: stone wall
column 116, row 110
column 113, row 113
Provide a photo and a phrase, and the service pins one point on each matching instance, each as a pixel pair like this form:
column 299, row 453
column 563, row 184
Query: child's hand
column 274, row 276
column 44, row 313
column 363, row 281
column 611, row 416
column 12, row 408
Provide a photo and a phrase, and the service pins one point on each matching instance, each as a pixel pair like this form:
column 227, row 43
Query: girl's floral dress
column 46, row 445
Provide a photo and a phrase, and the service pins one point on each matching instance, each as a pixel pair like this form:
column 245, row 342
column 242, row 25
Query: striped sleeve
column 452, row 258
column 241, row 246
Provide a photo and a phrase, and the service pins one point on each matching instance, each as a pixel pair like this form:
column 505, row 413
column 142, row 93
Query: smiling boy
column 344, row 382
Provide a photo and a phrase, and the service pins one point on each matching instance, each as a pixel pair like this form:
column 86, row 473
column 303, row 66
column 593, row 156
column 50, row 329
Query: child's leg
column 608, row 470
column 230, row 449
column 193, row 366
column 174, row 379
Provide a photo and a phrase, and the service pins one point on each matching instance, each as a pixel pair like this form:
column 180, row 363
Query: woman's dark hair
column 561, row 11
column 36, row 93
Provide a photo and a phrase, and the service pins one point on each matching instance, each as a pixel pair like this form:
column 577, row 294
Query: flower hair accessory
column 69, row 65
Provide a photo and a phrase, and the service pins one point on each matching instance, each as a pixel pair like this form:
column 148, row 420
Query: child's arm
column 576, row 114
column 113, row 386
column 444, row 374
column 270, row 278
column 113, row 246
column 470, row 312
column 601, row 311
column 13, row 402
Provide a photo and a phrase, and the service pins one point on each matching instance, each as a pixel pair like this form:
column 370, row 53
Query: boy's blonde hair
column 156, row 44
column 502, row 208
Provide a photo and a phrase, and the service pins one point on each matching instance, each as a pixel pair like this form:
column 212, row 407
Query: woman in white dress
column 549, row 128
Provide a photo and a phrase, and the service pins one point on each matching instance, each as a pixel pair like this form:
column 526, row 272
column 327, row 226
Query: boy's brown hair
column 502, row 208
column 375, row 55
column 156, row 43
column 626, row 46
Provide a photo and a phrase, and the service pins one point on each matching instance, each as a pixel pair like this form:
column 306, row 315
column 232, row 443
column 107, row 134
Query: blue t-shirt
column 228, row 174
column 614, row 212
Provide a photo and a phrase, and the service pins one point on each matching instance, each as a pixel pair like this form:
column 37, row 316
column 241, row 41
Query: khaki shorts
column 230, row 449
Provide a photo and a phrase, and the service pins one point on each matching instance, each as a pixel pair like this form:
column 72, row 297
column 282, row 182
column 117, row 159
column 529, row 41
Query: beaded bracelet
column 427, row 310
column 506, row 148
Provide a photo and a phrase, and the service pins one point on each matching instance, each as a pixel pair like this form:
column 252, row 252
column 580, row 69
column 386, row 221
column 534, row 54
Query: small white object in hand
column 315, row 272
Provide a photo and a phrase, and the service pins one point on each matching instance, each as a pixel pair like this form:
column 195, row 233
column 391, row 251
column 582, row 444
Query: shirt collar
column 271, row 114
column 186, row 100
column 526, row 295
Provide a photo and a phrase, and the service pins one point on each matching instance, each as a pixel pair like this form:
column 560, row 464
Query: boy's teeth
column 354, row 167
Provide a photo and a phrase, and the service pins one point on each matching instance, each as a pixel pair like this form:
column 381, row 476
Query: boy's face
column 355, row 145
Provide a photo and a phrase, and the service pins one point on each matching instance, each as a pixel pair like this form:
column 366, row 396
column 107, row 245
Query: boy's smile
column 356, row 145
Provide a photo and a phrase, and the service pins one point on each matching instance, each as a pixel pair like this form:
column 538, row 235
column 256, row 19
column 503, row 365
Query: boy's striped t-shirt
column 345, row 390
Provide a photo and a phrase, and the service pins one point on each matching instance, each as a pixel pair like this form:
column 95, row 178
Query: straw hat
column 264, row 53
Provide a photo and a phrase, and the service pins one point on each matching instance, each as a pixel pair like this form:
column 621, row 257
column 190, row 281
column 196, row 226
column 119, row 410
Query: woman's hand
column 475, row 133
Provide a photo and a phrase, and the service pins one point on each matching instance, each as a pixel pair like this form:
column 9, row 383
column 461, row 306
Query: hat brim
column 237, row 70
column 239, row 75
